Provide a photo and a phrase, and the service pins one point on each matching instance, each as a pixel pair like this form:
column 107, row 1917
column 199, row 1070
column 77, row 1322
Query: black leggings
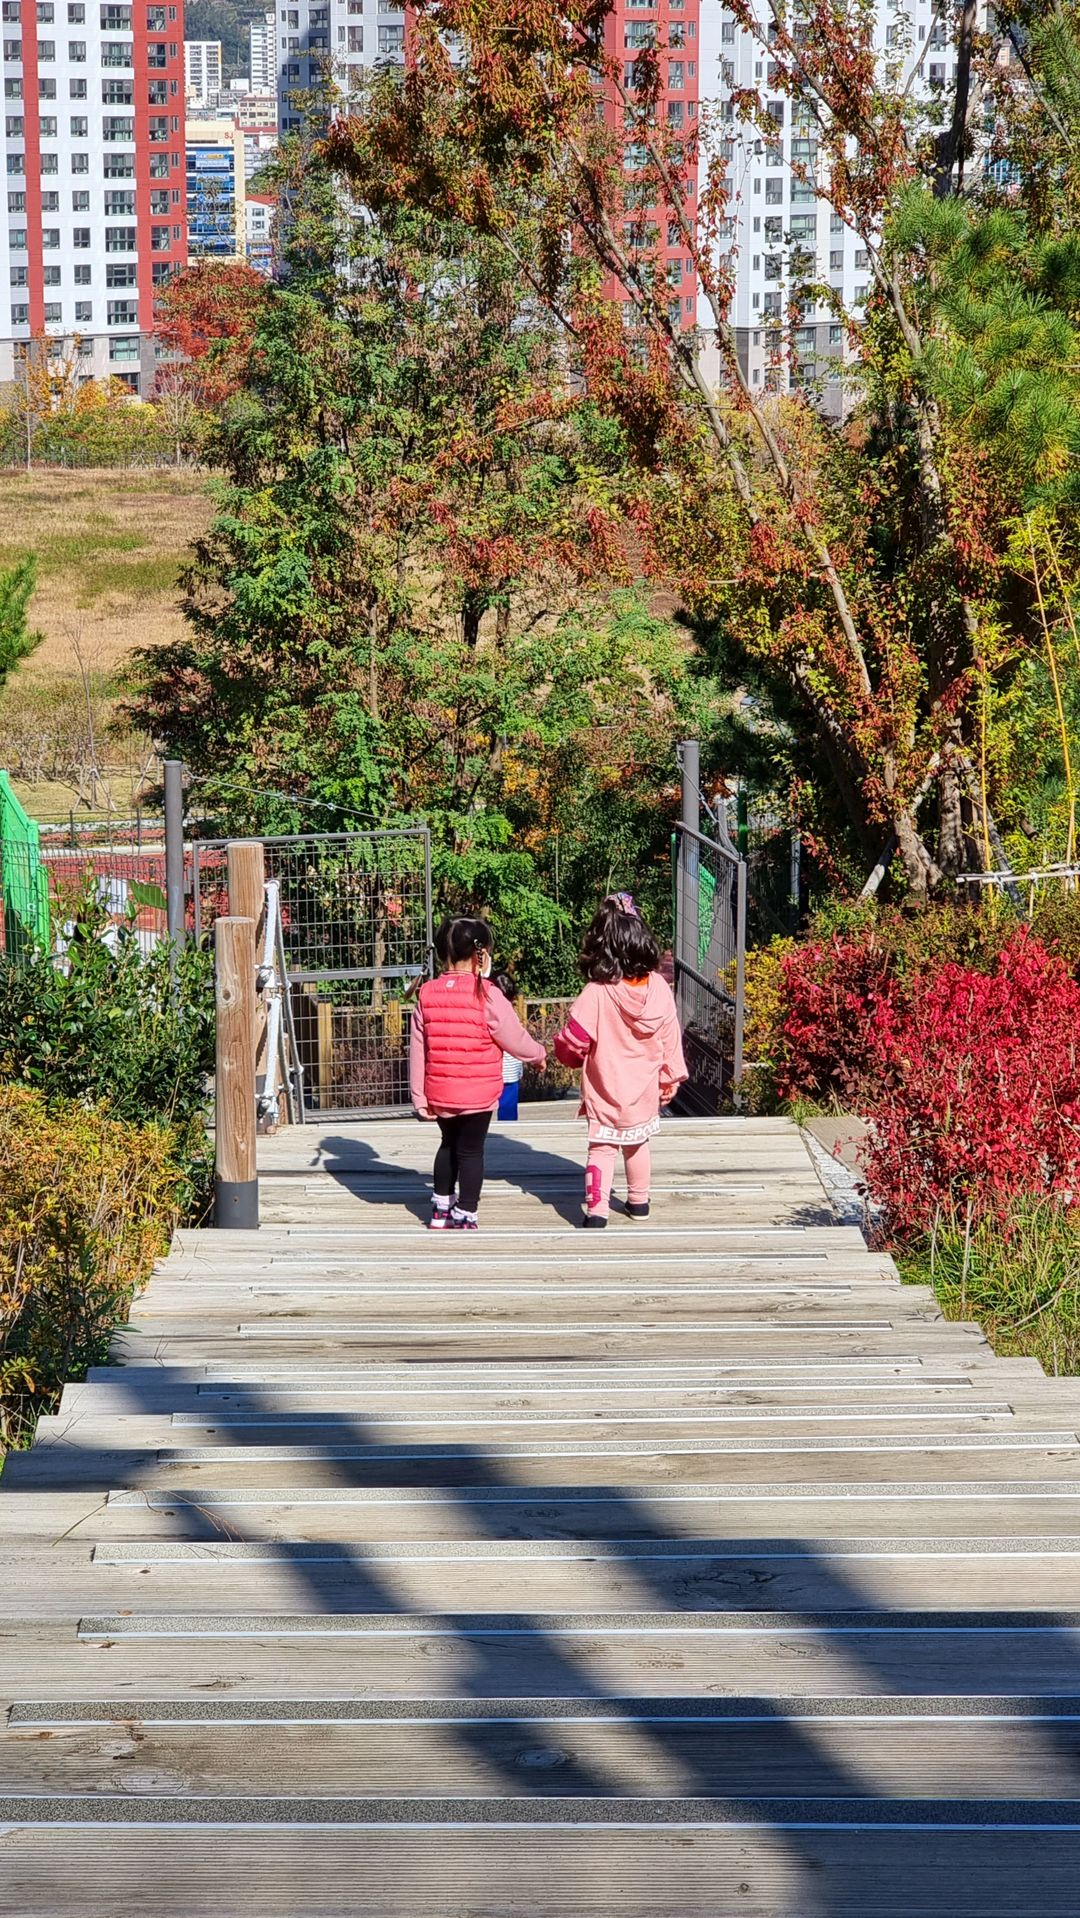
column 459, row 1162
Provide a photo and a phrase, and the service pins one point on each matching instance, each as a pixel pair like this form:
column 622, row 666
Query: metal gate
column 357, row 932
column 710, row 965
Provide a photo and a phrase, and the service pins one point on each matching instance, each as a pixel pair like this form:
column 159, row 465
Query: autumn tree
column 206, row 315
column 418, row 586
column 855, row 572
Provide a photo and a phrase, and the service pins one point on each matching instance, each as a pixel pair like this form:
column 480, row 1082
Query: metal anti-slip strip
column 614, row 1551
column 550, row 1498
column 536, row 1628
column 625, row 1448
column 621, row 1813
column 614, row 1710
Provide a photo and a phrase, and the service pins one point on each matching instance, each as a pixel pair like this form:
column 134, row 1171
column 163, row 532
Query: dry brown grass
column 109, row 545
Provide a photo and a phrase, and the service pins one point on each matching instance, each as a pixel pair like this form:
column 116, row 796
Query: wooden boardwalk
column 684, row 1570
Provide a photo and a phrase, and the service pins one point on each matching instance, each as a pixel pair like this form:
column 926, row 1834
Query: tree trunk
column 952, row 845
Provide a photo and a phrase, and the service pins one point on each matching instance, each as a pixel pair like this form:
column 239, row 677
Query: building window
column 50, row 238
column 391, row 43
column 160, row 271
column 121, row 274
column 119, row 166
column 46, row 49
column 159, row 200
column 10, row 12
column 117, row 53
column 639, row 33
column 836, row 260
column 118, row 93
column 80, row 163
column 159, row 166
column 81, row 274
column 119, row 239
column 862, row 259
column 84, row 312
column 155, row 54
column 46, row 89
column 16, row 203
column 12, row 49
column 122, row 313
column 50, row 203
column 80, row 128
column 77, row 89
column 76, row 51
column 80, row 236
column 124, row 349
column 676, row 74
column 14, row 130
column 115, row 19
column 54, row 312
column 116, row 130
column 76, row 14
column 159, row 131
column 17, row 239
column 774, row 192
column 20, row 316
column 119, row 203
column 13, row 89
column 19, row 275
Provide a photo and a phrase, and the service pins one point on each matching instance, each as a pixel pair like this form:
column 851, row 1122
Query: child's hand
column 422, row 1112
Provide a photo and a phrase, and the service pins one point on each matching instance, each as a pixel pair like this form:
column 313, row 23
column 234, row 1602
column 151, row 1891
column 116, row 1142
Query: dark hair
column 618, row 945
column 505, row 984
column 459, row 939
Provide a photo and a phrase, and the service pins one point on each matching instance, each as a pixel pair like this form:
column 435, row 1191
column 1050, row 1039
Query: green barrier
column 24, row 881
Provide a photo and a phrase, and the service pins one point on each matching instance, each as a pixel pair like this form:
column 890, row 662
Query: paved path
column 685, row 1570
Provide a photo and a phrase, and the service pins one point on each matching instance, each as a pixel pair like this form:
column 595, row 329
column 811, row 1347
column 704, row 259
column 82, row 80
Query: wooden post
column 326, row 1052
column 236, row 1181
column 247, row 900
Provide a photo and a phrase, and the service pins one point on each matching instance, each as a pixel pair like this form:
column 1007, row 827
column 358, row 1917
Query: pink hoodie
column 626, row 1040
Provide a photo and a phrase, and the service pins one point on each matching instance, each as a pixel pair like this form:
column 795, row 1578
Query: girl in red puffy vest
column 461, row 1026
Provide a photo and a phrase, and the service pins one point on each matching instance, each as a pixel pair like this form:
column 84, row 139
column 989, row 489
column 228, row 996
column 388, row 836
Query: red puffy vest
column 462, row 1063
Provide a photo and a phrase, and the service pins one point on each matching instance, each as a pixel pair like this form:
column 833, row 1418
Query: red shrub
column 835, row 992
column 981, row 1091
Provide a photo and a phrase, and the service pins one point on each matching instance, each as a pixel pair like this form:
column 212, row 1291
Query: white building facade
column 203, row 69
column 262, row 54
column 336, row 37
column 782, row 232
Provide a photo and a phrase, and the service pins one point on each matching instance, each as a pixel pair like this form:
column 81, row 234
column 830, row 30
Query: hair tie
column 625, row 902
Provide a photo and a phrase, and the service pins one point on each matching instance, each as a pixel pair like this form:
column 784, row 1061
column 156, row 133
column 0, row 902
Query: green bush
column 87, row 1204
column 109, row 1026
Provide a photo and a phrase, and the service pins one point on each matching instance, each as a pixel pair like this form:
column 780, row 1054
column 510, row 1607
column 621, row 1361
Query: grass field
column 109, row 545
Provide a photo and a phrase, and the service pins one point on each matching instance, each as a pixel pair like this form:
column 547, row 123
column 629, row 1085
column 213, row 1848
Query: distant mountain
column 227, row 21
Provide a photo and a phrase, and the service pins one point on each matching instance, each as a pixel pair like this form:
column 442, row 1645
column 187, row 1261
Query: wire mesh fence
column 357, row 935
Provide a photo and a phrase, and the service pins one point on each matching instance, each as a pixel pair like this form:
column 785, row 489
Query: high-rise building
column 781, row 232
column 216, row 189
column 91, row 214
column 262, row 57
column 337, row 37
column 672, row 25
column 203, row 70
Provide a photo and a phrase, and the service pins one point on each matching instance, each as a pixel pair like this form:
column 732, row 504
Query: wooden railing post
column 247, row 900
column 236, row 1181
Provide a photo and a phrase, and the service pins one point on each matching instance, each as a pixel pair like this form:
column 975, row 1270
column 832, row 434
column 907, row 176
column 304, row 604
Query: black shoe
column 594, row 1220
column 637, row 1211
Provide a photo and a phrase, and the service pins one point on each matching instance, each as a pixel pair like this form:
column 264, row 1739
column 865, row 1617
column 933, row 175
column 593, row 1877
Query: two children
column 623, row 1031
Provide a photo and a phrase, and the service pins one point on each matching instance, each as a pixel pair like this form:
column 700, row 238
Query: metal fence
column 710, row 956
column 357, row 935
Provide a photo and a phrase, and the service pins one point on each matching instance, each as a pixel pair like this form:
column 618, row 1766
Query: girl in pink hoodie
column 461, row 1026
column 623, row 1031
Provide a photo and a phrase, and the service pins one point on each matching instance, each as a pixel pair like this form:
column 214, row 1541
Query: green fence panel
column 23, row 878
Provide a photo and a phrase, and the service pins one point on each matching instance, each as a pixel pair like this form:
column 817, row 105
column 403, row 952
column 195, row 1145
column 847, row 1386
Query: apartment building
column 336, row 37
column 673, row 25
column 780, row 231
column 262, row 53
column 91, row 211
column 203, row 72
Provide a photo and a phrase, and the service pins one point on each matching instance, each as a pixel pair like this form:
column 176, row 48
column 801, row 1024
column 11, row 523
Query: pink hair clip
column 626, row 901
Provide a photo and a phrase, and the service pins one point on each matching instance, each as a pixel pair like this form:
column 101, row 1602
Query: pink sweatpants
column 600, row 1171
